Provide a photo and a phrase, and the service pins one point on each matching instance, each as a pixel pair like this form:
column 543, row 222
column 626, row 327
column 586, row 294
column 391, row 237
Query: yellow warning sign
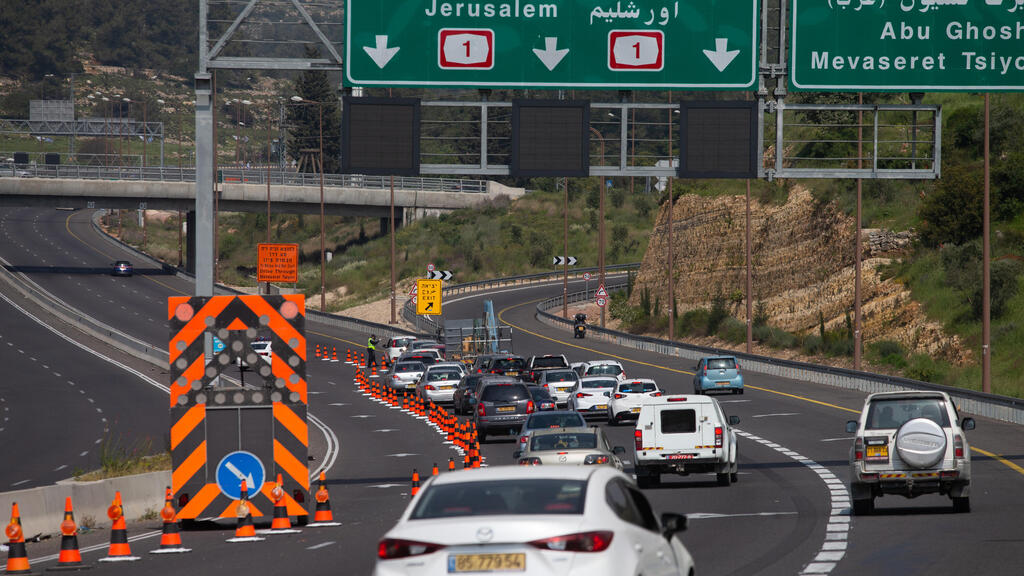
column 429, row 297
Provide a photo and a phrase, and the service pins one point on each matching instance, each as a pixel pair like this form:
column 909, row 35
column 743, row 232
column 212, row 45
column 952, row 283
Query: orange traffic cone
column 317, row 350
column 348, row 356
column 466, row 462
column 119, row 550
column 334, row 354
column 244, row 530
column 373, row 371
column 70, row 557
column 17, row 557
column 170, row 540
column 281, row 524
column 323, row 515
column 415, row 482
column 434, row 471
column 451, row 464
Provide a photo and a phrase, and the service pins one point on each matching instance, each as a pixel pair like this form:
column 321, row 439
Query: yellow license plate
column 634, row 410
column 601, row 407
column 511, row 373
column 721, row 383
column 445, row 387
column 878, row 452
column 487, row 563
column 506, row 408
column 565, row 389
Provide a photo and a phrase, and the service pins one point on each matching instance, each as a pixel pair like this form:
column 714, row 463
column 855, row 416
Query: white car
column 404, row 375
column 566, row 520
column 426, row 351
column 604, row 368
column 627, row 398
column 909, row 443
column 439, row 382
column 684, row 435
column 592, row 396
column 560, row 383
column 396, row 346
column 262, row 350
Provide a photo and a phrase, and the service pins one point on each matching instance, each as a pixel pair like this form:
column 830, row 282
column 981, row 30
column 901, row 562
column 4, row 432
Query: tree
column 952, row 213
column 304, row 121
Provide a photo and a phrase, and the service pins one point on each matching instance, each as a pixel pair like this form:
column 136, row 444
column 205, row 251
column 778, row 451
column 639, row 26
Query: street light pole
column 323, row 253
column 600, row 225
column 268, row 182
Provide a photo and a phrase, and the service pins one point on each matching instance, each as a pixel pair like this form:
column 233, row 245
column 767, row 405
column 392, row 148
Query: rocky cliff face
column 803, row 266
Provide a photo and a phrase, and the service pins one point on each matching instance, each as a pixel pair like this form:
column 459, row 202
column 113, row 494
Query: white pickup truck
column 684, row 434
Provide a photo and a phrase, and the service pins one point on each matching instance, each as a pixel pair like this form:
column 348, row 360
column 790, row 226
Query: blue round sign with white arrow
column 238, row 466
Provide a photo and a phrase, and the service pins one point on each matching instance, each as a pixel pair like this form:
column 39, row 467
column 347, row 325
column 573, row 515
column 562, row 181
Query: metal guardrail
column 241, row 176
column 989, row 405
column 575, row 274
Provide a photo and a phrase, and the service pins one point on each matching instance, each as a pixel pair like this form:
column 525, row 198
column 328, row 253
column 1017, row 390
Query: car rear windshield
column 885, row 414
column 505, row 393
column 540, row 394
column 409, row 367
column 721, row 363
column 509, row 364
column 401, row 342
column 561, row 420
column 599, row 383
column 560, row 376
column 604, row 370
column 678, row 421
column 637, row 387
column 566, row 441
column 435, row 375
column 549, row 362
column 426, row 360
column 502, row 497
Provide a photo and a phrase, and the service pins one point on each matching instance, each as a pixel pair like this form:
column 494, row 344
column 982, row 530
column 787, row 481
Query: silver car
column 572, row 446
column 439, row 382
column 560, row 382
column 909, row 443
column 405, row 375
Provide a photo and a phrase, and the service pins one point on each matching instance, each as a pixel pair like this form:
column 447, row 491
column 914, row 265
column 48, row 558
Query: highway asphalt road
column 778, row 519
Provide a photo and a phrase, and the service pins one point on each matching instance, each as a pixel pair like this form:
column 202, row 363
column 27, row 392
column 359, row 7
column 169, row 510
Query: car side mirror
column 618, row 450
column 608, row 394
column 672, row 523
column 968, row 424
column 734, row 420
column 851, row 426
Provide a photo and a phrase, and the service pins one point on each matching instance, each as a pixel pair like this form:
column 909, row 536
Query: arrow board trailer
column 599, row 44
column 221, row 436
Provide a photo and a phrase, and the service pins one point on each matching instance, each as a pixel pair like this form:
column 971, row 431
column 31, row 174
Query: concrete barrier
column 42, row 509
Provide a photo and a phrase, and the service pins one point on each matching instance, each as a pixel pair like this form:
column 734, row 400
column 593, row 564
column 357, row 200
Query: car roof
column 638, row 381
column 515, row 472
column 549, row 431
column 733, row 358
column 446, row 365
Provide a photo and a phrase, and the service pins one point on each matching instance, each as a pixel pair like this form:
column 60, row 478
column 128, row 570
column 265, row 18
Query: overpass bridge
column 241, row 190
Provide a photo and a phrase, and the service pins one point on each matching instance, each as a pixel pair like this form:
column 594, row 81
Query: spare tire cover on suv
column 921, row 443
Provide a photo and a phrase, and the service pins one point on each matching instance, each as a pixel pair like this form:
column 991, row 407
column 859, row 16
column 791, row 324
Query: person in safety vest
column 371, row 350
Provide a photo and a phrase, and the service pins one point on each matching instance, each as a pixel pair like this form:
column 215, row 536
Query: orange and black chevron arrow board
column 223, row 434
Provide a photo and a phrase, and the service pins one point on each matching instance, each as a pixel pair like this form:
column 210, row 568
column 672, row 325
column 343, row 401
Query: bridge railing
column 241, row 176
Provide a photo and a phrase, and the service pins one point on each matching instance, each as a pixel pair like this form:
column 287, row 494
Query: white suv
column 683, row 435
column 909, row 443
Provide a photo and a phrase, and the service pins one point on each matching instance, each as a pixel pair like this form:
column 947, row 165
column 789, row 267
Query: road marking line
column 776, row 414
column 20, row 483
column 321, row 545
column 86, row 453
column 837, row 439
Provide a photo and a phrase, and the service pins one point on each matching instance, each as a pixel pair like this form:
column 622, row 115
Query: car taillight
column 858, row 449
column 705, row 370
column 655, row 394
column 529, row 407
column 394, row 376
column 545, row 384
column 524, row 439
column 638, row 437
column 958, row 446
column 619, row 396
column 737, row 364
column 677, row 399
column 530, row 461
column 392, row 548
column 480, row 409
column 595, row 459
column 597, row 541
column 718, row 436
column 582, row 395
column 429, row 387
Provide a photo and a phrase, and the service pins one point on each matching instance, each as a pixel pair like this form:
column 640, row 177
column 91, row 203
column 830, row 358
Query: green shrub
column 694, row 323
column 718, row 313
column 760, row 314
column 732, row 330
column 925, row 368
column 888, row 352
column 812, row 344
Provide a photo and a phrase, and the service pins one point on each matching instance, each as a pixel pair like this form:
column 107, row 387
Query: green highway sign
column 907, row 45
column 601, row 44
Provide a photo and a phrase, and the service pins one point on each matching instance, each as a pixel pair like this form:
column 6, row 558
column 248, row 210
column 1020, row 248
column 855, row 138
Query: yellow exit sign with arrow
column 429, row 297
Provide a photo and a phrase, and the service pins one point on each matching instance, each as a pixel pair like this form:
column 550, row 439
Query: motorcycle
column 580, row 328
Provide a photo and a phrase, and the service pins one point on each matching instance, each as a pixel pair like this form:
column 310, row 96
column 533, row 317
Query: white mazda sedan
column 567, row 520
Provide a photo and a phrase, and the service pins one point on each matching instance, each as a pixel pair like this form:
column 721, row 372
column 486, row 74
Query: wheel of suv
column 962, row 505
column 864, row 507
column 921, row 443
column 481, row 435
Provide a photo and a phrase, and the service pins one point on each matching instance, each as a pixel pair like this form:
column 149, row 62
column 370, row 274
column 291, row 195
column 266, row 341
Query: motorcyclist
column 580, row 325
